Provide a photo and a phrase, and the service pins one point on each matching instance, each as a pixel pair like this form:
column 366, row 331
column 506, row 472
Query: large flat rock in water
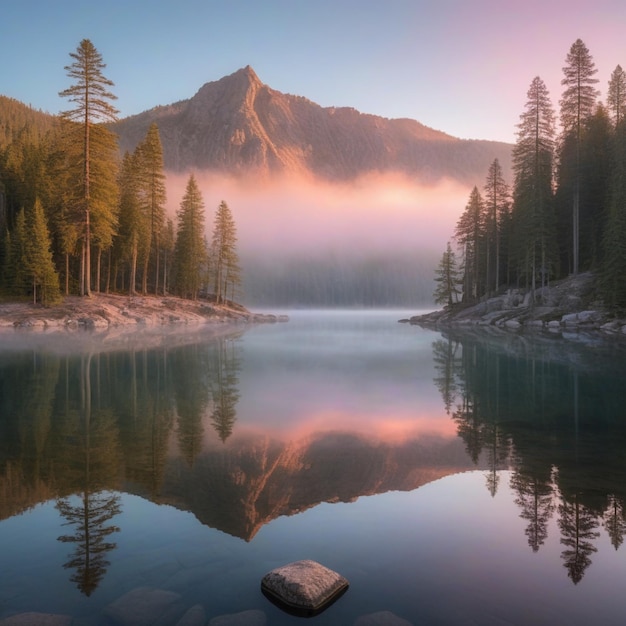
column 303, row 586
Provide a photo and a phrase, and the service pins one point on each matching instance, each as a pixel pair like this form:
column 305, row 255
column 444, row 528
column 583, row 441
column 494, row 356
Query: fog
column 306, row 242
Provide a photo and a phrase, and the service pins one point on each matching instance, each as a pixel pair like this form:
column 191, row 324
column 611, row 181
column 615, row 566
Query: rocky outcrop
column 239, row 125
column 567, row 305
column 102, row 312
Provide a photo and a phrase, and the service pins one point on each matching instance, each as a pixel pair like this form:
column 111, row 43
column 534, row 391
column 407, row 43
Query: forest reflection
column 553, row 413
column 161, row 422
column 80, row 428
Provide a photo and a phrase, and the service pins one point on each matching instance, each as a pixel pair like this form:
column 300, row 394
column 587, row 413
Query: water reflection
column 162, row 423
column 80, row 428
column 185, row 423
column 553, row 412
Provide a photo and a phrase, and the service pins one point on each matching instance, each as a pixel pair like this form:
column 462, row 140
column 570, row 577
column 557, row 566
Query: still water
column 452, row 478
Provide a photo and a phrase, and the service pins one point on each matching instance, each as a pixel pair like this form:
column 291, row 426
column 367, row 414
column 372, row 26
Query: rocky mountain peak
column 240, row 125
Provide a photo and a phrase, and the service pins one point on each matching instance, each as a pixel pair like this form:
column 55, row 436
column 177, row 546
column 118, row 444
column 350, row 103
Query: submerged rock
column 305, row 587
column 244, row 618
column 381, row 618
column 36, row 619
column 195, row 616
column 142, row 606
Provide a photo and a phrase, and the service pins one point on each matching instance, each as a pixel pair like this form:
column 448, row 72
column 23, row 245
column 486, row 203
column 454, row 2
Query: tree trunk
column 67, row 274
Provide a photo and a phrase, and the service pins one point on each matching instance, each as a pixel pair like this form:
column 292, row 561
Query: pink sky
column 461, row 66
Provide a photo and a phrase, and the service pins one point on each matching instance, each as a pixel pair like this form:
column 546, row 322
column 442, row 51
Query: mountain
column 240, row 125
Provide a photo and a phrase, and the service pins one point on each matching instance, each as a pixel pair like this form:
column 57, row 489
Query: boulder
column 303, row 587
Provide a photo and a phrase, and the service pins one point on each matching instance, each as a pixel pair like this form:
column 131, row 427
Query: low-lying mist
column 373, row 242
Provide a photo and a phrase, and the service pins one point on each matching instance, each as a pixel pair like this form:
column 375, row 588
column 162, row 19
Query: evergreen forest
column 78, row 218
column 565, row 211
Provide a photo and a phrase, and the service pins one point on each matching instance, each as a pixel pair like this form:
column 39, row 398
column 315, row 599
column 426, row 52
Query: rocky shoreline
column 101, row 312
column 569, row 305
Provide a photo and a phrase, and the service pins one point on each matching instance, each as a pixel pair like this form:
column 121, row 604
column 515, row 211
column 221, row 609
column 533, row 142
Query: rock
column 245, row 618
column 512, row 324
column 381, row 618
column 142, row 606
column 36, row 619
column 304, row 586
column 195, row 616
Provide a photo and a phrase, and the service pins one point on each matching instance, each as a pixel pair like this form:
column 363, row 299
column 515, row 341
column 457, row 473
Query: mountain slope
column 17, row 117
column 240, row 125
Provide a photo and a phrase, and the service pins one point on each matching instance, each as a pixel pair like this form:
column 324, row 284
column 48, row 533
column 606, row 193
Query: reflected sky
column 318, row 373
column 447, row 553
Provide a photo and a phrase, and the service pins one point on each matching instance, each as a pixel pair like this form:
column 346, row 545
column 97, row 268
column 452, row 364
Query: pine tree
column 613, row 275
column 596, row 165
column 39, row 264
column 577, row 105
column 64, row 209
column 153, row 198
column 447, row 279
column 497, row 202
column 132, row 223
column 190, row 254
column 225, row 260
column 17, row 257
column 532, row 211
column 616, row 97
column 470, row 236
column 92, row 104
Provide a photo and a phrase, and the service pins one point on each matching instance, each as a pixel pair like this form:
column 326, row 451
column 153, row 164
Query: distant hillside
column 240, row 125
column 16, row 116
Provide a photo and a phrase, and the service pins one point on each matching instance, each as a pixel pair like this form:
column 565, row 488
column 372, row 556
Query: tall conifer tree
column 616, row 97
column 532, row 212
column 577, row 105
column 190, row 254
column 470, row 236
column 91, row 101
column 225, row 260
column 447, row 279
column 497, row 201
column 39, row 263
column 153, row 198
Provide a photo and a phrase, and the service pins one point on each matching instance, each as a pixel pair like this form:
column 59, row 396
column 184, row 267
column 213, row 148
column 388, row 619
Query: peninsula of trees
column 566, row 210
column 75, row 218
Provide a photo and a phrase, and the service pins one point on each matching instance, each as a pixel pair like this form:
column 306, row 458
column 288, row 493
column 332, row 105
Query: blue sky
column 461, row 66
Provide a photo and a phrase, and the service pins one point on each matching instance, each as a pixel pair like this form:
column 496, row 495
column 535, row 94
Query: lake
column 453, row 478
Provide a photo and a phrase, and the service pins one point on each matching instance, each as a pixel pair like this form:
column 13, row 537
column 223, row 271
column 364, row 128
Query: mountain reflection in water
column 241, row 429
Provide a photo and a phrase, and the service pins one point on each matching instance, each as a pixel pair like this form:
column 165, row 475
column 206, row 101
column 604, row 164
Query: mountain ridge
column 240, row 125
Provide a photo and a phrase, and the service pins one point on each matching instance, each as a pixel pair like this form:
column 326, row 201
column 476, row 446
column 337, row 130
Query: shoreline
column 102, row 312
column 566, row 306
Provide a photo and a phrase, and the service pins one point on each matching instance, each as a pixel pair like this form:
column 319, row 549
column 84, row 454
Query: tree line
column 565, row 212
column 77, row 218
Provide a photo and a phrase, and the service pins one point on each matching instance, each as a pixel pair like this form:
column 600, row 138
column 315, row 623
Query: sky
column 460, row 66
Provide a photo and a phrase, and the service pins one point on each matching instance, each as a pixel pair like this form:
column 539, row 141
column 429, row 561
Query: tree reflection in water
column 551, row 412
